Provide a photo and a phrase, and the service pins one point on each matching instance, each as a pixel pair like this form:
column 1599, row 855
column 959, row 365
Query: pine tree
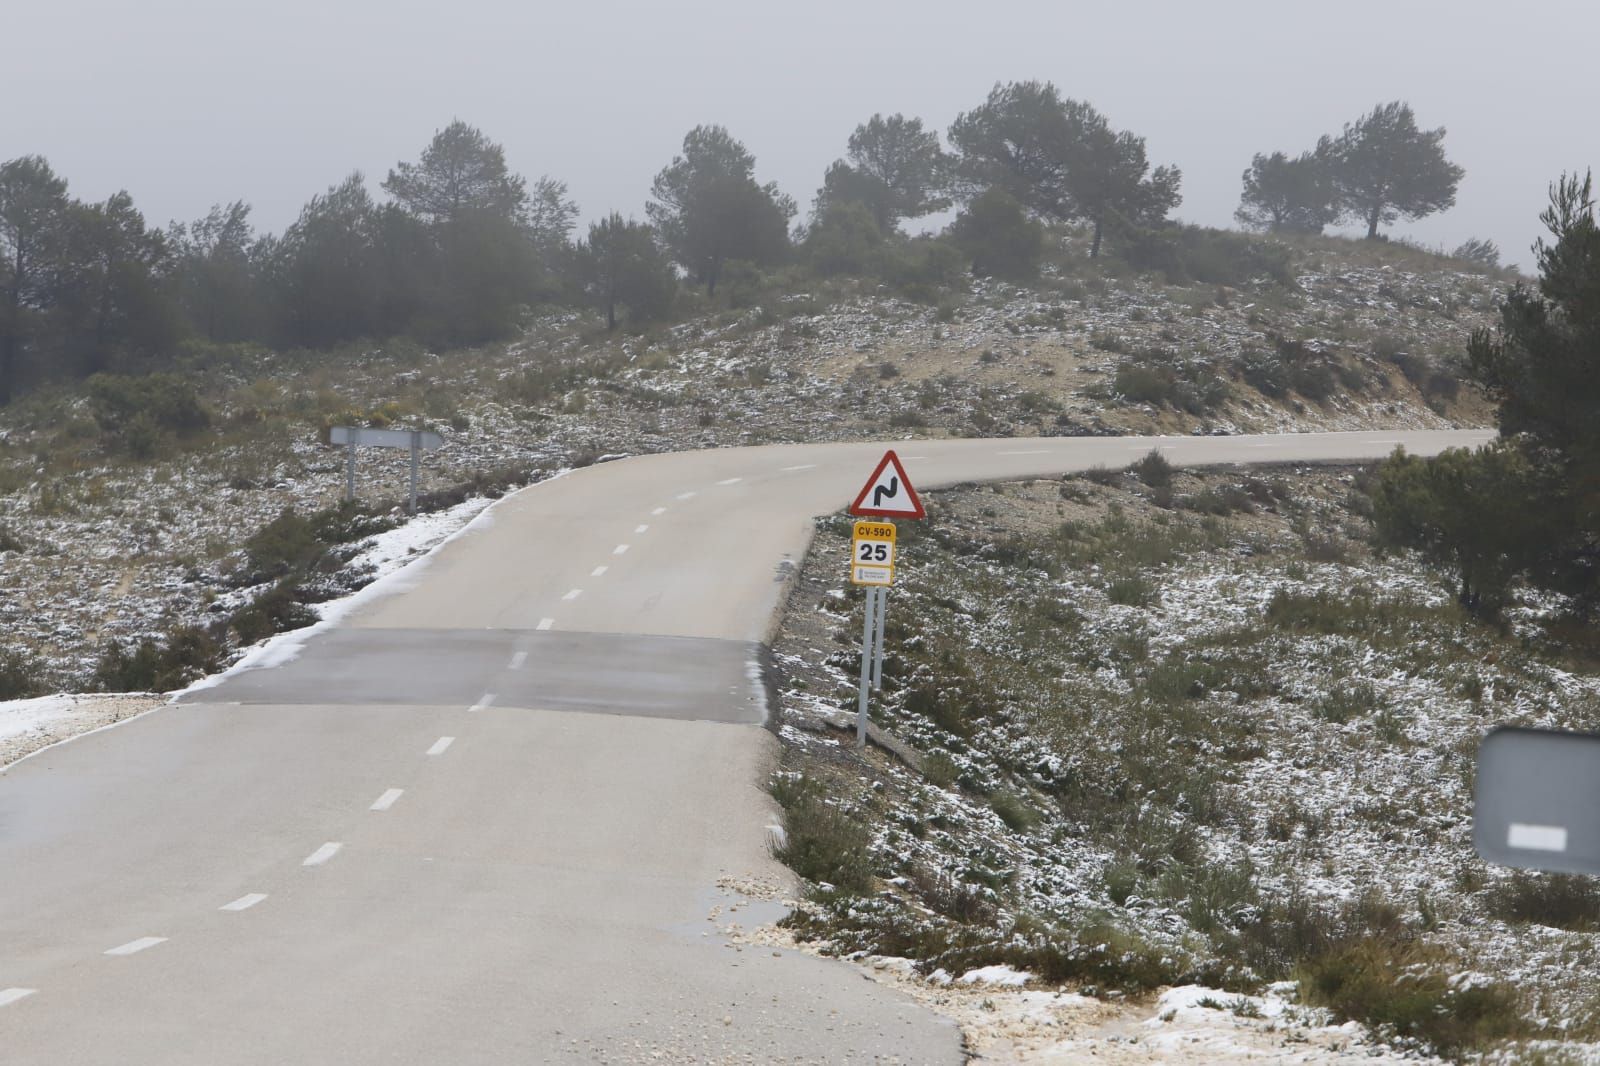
column 1060, row 159
column 896, row 168
column 1476, row 512
column 622, row 266
column 1386, row 169
column 1109, row 177
column 1541, row 367
column 34, row 221
column 998, row 238
column 326, row 269
column 709, row 209
column 1287, row 195
column 215, row 280
column 114, row 294
column 460, row 171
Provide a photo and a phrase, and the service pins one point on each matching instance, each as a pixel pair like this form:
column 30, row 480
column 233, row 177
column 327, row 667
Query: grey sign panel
column 384, row 438
column 1538, row 800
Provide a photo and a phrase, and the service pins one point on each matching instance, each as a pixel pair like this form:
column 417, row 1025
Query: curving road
column 484, row 820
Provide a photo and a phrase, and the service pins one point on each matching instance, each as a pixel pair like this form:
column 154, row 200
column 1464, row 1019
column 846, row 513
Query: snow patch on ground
column 28, row 726
column 398, row 557
column 1001, row 976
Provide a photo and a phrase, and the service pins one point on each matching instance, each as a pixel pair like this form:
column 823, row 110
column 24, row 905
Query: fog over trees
column 1381, row 169
column 452, row 247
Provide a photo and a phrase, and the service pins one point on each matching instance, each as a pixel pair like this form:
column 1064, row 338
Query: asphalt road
column 485, row 820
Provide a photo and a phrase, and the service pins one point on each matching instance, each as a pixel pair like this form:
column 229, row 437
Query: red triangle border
column 889, row 459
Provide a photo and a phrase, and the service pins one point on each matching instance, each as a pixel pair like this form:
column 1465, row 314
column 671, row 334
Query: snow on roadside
column 1188, row 1024
column 397, row 558
column 27, row 726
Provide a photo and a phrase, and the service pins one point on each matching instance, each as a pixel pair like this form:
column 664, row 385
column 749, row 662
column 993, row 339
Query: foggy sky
column 190, row 102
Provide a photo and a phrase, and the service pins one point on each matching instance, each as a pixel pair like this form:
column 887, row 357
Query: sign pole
column 868, row 630
column 416, row 443
column 877, row 657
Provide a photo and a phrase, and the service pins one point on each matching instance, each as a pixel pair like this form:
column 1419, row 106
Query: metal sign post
column 869, row 627
column 877, row 657
column 887, row 494
column 416, row 440
column 872, row 551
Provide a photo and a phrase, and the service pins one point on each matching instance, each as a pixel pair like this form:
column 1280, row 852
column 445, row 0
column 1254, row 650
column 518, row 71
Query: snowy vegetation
column 1176, row 728
column 126, row 505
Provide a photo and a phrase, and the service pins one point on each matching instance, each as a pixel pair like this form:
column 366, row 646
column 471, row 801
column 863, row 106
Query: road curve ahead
column 492, row 817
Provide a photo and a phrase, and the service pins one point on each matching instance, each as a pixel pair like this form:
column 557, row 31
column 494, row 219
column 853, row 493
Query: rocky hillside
column 125, row 511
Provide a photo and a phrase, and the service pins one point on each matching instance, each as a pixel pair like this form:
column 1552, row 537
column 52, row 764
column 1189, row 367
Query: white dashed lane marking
column 244, row 903
column 642, row 528
column 1040, row 451
column 441, row 745
column 572, row 595
column 387, row 800
column 483, row 701
column 133, row 947
column 659, row 511
column 545, row 623
column 687, row 495
column 599, row 571
column 730, row 481
column 620, row 549
column 518, row 659
column 9, row 996
column 322, row 854
column 802, row 466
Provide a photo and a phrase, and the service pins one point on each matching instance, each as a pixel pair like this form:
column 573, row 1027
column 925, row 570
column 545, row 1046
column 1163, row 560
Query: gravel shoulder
column 28, row 726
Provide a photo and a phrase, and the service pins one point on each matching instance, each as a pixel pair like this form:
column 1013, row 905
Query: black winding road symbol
column 890, row 490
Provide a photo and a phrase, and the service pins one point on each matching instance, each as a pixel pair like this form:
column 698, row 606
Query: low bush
column 138, row 414
column 1405, row 989
column 940, row 770
column 1098, row 953
column 1131, row 590
column 946, row 896
column 945, row 707
column 287, row 543
column 1561, row 901
column 277, row 610
column 821, row 843
column 1154, row 469
column 1014, row 811
column 1350, row 611
column 1221, row 501
column 1291, row 367
column 21, row 676
column 1185, row 254
column 1341, row 704
column 1160, row 378
column 1212, row 897
column 491, row 484
column 298, row 545
column 185, row 655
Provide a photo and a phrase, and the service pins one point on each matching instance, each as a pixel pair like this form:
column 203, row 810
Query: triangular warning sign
column 888, row 493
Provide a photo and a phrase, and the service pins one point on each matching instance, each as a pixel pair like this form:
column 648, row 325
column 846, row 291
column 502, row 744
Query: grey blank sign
column 1538, row 800
column 385, row 438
